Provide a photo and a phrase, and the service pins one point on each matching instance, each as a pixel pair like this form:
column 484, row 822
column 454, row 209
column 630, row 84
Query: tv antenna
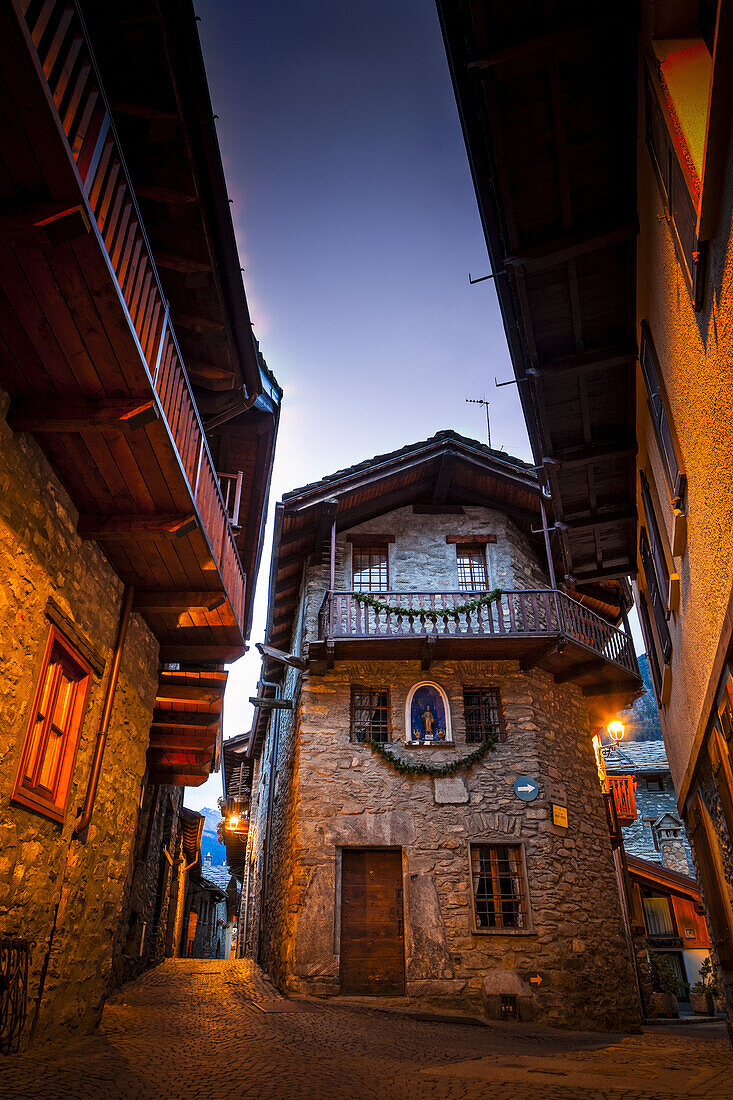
column 485, row 403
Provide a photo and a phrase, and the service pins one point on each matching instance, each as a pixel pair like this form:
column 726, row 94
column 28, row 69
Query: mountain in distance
column 209, row 842
column 642, row 719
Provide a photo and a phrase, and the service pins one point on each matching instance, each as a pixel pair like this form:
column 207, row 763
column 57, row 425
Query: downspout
column 268, row 816
column 86, row 814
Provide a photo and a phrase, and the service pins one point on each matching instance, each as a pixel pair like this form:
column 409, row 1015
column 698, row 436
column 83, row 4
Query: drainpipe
column 87, row 809
column 268, row 816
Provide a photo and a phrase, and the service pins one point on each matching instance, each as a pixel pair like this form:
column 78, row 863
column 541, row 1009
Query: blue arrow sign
column 526, row 788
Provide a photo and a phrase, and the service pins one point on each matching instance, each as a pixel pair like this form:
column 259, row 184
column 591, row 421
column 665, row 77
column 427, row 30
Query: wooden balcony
column 623, row 789
column 89, row 354
column 542, row 628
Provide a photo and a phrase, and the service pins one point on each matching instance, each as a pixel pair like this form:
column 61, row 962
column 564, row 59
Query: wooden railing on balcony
column 623, row 789
column 521, row 614
column 68, row 66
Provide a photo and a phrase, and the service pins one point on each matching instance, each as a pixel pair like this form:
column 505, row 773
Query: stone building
column 600, row 148
column 132, row 490
column 212, row 902
column 425, row 815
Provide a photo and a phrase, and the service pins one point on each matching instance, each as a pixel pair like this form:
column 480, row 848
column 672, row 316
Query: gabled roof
column 638, row 757
column 192, row 826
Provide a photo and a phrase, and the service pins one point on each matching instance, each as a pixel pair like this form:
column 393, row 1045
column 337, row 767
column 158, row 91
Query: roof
column 220, row 875
column 442, row 471
column 192, row 826
column 657, row 875
column 547, row 96
column 636, row 757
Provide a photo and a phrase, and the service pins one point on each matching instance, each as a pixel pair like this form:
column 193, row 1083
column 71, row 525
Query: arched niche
column 427, row 715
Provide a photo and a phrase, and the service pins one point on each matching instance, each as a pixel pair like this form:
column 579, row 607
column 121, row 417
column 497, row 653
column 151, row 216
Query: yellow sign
column 559, row 816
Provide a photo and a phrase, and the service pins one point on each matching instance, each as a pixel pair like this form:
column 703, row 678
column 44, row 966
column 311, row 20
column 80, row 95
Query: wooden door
column 372, row 927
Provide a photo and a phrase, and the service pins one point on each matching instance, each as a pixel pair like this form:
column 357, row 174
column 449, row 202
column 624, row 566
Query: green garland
column 434, row 770
column 428, row 613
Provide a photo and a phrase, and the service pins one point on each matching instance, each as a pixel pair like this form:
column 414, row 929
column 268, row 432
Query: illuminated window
column 482, row 709
column 370, row 714
column 497, row 877
column 472, row 574
column 370, row 569
column 47, row 763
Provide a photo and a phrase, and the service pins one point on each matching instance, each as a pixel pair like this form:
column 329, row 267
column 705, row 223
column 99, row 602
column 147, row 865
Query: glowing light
column 233, row 821
column 616, row 730
column 600, row 762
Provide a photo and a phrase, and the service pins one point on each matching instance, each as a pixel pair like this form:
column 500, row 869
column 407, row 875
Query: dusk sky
column 357, row 227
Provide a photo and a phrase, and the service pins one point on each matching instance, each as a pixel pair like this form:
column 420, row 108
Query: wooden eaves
column 547, row 101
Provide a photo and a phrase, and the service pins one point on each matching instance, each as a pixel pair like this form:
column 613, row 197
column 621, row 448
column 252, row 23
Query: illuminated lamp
column 616, row 731
column 233, row 821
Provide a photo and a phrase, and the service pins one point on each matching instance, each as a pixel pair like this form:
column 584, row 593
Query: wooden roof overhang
column 655, row 875
column 547, row 100
column 90, row 356
column 192, row 827
column 167, row 128
column 186, row 734
column 446, row 470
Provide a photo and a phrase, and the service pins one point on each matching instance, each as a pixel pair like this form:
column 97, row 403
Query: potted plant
column 704, row 991
column 665, row 985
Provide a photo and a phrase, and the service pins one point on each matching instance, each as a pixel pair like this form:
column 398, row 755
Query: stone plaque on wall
column 448, row 791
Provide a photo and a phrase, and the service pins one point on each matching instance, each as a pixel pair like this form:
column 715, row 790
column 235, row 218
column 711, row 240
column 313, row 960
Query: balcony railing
column 84, row 116
column 623, row 789
column 519, row 614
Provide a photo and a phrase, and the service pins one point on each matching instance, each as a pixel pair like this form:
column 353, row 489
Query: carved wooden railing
column 65, row 56
column 623, row 789
column 520, row 614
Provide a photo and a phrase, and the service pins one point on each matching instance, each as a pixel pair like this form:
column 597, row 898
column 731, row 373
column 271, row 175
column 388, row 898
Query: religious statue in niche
column 428, row 714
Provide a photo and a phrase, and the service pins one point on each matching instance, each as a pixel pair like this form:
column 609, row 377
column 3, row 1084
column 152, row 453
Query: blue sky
column 357, row 227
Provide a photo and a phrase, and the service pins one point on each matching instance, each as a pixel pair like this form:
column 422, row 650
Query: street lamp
column 616, row 731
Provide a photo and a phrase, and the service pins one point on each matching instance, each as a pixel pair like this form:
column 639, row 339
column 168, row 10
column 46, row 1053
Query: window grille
column 482, row 710
column 472, row 574
column 370, row 714
column 498, row 886
column 370, row 568
column 655, row 538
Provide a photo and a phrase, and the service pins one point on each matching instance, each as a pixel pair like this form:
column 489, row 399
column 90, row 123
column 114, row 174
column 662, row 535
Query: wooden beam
column 123, row 414
column 329, row 508
column 592, row 523
column 577, row 670
column 444, row 478
column 267, row 703
column 542, row 48
column 195, row 323
column 185, row 719
column 192, row 654
column 185, row 693
column 281, row 656
column 185, row 265
column 588, row 361
column 165, row 195
column 428, row 651
column 210, row 377
column 180, row 741
column 51, row 224
column 569, row 248
column 140, row 110
column 569, row 457
column 537, row 655
column 177, row 600
column 135, row 526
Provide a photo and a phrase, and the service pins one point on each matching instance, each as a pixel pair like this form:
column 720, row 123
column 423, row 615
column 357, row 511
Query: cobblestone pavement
column 204, row 1028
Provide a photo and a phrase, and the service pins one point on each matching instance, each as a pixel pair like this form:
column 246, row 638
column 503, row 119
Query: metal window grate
column 370, row 714
column 13, row 992
column 472, row 576
column 482, row 710
column 498, row 886
column 370, row 568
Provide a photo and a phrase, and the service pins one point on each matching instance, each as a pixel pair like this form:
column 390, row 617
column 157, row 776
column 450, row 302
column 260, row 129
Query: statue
column 428, row 721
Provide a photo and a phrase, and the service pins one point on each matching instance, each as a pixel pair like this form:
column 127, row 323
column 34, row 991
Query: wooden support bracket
column 135, row 526
column 125, row 414
column 177, row 601
column 428, row 651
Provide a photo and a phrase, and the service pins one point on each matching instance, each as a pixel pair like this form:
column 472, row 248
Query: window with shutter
column 655, row 539
column 44, row 777
column 649, row 646
column 655, row 596
column 661, row 419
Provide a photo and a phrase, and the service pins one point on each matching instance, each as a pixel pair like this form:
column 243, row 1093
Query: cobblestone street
column 203, row 1028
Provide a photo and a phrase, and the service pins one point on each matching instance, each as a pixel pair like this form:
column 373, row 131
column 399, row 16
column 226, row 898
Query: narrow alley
column 202, row 1028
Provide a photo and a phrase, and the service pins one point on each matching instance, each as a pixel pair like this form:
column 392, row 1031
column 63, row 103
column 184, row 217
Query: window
column 655, row 783
column 43, row 781
column 497, row 877
column 370, row 714
column 661, row 419
column 482, row 709
column 651, row 651
column 370, row 570
column 472, row 574
column 655, row 595
column 655, row 539
column 650, row 822
column 658, row 915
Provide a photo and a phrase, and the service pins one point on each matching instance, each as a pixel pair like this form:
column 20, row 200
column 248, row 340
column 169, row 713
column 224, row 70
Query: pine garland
column 428, row 613
column 406, row 767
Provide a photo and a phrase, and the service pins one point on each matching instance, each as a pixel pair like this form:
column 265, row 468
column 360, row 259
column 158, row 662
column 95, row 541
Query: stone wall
column 332, row 793
column 650, row 805
column 63, row 894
